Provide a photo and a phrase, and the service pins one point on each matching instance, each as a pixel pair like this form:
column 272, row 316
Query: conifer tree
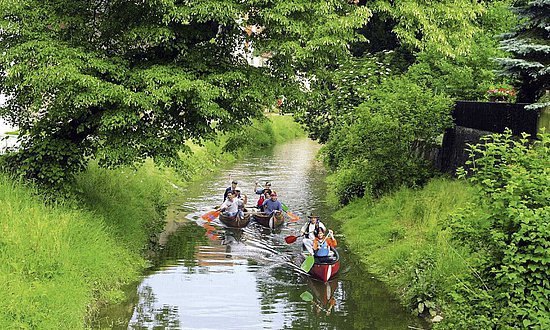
column 529, row 45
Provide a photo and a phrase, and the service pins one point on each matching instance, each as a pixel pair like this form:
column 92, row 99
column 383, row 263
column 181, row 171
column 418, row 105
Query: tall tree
column 125, row 80
column 529, row 45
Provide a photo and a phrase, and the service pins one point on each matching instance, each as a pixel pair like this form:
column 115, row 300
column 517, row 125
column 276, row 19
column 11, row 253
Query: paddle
column 307, row 264
column 291, row 215
column 306, row 296
column 291, row 239
column 209, row 216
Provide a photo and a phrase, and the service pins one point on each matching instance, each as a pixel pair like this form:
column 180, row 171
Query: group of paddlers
column 316, row 240
column 234, row 202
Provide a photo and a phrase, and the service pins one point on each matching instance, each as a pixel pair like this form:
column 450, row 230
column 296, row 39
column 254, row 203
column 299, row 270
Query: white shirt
column 308, row 228
column 230, row 206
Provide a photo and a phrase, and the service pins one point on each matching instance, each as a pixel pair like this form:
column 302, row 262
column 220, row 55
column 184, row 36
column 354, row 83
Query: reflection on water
column 208, row 276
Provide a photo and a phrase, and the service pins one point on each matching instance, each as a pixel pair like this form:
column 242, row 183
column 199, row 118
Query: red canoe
column 327, row 269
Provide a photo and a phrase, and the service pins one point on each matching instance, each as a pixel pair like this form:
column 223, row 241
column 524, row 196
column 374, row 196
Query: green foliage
column 529, row 46
column 466, row 77
column 337, row 91
column 403, row 240
column 55, row 260
column 123, row 82
column 442, row 26
column 514, row 178
column 143, row 192
column 378, row 143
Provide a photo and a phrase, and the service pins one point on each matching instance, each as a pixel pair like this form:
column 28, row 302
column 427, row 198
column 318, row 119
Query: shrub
column 379, row 141
column 514, row 180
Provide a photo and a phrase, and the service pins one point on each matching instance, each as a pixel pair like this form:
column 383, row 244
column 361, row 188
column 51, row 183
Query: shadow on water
column 207, row 276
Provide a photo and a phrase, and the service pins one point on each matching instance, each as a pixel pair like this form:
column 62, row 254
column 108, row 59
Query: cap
column 312, row 215
column 273, row 194
column 234, row 182
column 267, row 183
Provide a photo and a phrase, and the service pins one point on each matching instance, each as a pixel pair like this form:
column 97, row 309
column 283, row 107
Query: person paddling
column 322, row 244
column 310, row 230
column 230, row 206
column 272, row 206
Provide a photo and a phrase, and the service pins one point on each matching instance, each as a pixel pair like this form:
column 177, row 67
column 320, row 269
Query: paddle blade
column 308, row 264
column 285, row 208
column 306, row 296
column 290, row 239
column 209, row 216
column 292, row 216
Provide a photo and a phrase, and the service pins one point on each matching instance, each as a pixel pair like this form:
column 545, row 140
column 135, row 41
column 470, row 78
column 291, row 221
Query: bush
column 514, row 178
column 379, row 141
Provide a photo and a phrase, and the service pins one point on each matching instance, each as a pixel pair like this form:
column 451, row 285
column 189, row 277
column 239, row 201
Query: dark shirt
column 227, row 191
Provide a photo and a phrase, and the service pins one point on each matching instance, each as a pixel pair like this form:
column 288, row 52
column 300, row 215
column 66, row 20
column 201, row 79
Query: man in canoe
column 272, row 205
column 230, row 189
column 310, row 230
column 261, row 191
column 230, row 206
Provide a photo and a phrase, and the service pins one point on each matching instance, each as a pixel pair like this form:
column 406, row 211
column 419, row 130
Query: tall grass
column 403, row 240
column 57, row 261
column 54, row 260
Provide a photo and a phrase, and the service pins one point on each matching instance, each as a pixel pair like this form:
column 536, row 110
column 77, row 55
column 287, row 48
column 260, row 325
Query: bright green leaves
column 313, row 32
column 444, row 26
column 123, row 81
column 514, row 179
column 374, row 151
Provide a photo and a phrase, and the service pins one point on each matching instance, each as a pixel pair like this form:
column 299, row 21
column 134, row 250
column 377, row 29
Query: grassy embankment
column 402, row 239
column 57, row 262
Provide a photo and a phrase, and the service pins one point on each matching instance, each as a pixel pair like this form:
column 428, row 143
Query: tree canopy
column 122, row 81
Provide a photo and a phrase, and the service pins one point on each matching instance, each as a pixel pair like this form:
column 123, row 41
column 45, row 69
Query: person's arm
column 258, row 190
column 315, row 244
column 223, row 206
column 304, row 228
column 331, row 241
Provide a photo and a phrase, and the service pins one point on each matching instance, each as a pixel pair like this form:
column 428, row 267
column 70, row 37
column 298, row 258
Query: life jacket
column 260, row 201
column 323, row 250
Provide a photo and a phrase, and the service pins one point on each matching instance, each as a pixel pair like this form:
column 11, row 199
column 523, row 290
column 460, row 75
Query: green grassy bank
column 403, row 240
column 58, row 262
column 475, row 251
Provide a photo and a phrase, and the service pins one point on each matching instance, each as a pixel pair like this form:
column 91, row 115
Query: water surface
column 211, row 277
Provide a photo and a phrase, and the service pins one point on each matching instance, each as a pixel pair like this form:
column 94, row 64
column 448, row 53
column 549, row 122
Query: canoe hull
column 268, row 221
column 234, row 221
column 324, row 271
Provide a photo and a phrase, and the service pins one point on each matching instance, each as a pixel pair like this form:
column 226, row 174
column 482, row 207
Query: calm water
column 211, row 277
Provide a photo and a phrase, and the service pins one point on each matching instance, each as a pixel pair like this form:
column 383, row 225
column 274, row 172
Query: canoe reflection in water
column 323, row 298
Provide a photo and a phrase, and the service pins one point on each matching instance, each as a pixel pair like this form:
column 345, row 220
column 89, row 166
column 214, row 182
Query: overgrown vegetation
column 377, row 111
column 58, row 261
column 402, row 239
column 509, row 225
column 374, row 151
column 477, row 253
column 121, row 83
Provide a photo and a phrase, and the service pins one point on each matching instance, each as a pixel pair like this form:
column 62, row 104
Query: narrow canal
column 211, row 277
